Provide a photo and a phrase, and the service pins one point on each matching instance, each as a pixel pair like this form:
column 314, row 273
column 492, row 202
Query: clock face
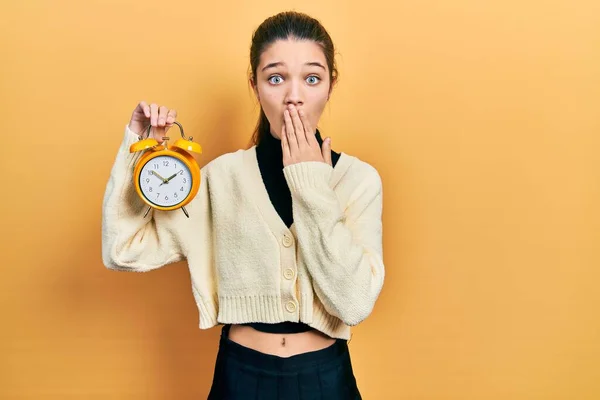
column 165, row 181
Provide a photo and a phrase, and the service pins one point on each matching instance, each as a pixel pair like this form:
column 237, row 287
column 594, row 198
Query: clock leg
column 146, row 213
column 185, row 212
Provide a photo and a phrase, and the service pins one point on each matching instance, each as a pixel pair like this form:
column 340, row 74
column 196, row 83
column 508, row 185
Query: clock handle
column 147, row 131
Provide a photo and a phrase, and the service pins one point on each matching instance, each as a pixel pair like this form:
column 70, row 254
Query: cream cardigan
column 245, row 265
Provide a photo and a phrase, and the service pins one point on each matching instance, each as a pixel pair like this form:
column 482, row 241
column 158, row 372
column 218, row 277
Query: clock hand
column 156, row 173
column 169, row 178
column 172, row 176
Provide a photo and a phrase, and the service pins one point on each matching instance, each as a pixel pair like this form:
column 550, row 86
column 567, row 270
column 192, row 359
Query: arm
column 342, row 248
column 129, row 241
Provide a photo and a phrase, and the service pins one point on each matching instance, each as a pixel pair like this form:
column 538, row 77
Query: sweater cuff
column 308, row 174
column 129, row 138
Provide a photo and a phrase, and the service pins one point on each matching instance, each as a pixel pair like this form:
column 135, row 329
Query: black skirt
column 242, row 373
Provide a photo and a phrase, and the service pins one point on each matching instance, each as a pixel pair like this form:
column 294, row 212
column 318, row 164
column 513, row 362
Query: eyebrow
column 281, row 63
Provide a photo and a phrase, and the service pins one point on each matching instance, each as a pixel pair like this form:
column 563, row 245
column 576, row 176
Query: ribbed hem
column 328, row 324
column 266, row 309
column 306, row 309
column 308, row 174
column 208, row 312
column 259, row 308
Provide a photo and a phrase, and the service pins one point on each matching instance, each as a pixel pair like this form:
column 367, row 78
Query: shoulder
column 226, row 163
column 360, row 171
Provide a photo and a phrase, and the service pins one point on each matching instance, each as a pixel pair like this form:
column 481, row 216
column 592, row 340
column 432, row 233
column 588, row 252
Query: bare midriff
column 279, row 344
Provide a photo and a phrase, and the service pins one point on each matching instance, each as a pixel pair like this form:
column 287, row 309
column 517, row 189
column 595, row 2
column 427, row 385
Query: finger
column 153, row 114
column 291, row 135
column 284, row 144
column 298, row 127
column 153, row 122
column 308, row 131
column 162, row 115
column 327, row 151
column 145, row 108
column 171, row 117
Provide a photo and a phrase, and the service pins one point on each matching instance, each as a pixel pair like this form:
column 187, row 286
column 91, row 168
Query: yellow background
column 482, row 118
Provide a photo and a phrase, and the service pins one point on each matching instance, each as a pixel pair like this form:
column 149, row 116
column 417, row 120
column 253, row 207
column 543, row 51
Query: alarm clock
column 166, row 177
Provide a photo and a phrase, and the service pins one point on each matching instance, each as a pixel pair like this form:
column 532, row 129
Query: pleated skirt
column 242, row 373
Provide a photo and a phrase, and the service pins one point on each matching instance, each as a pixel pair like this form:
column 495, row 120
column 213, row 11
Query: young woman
column 284, row 239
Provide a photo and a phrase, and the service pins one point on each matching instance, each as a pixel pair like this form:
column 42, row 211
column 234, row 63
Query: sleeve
column 131, row 242
column 342, row 248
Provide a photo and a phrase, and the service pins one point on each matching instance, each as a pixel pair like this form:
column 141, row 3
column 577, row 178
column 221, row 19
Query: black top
column 270, row 162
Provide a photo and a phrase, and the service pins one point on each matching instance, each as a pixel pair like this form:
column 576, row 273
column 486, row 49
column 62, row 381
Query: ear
column 254, row 88
column 330, row 90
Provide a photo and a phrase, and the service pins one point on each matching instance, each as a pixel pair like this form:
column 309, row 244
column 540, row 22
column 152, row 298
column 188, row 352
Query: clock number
column 147, row 180
column 184, row 180
column 150, row 189
column 155, row 166
column 166, row 163
column 175, row 194
column 181, row 190
column 166, row 197
column 157, row 194
column 181, row 172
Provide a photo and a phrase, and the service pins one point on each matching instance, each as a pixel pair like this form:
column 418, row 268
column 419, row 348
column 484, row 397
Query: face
column 292, row 72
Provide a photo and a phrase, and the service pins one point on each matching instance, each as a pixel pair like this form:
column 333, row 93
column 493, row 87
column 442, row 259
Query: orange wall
column 482, row 119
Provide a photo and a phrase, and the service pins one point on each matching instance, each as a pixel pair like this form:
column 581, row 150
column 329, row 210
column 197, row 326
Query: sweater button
column 288, row 273
column 287, row 240
column 290, row 306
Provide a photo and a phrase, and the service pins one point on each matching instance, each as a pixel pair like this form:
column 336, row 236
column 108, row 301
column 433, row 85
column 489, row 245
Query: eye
column 274, row 76
column 314, row 78
column 277, row 79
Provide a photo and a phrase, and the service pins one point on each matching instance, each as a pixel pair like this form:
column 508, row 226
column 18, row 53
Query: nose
column 294, row 94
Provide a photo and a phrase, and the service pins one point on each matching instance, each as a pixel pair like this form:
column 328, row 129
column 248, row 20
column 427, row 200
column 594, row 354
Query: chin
column 276, row 133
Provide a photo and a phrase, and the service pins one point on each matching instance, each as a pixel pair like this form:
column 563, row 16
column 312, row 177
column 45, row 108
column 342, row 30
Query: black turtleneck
column 270, row 162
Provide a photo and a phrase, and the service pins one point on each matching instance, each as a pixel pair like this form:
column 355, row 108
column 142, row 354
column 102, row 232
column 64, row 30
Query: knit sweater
column 269, row 155
column 245, row 264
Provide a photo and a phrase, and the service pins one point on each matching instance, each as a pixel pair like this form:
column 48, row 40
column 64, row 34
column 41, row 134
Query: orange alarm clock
column 166, row 178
